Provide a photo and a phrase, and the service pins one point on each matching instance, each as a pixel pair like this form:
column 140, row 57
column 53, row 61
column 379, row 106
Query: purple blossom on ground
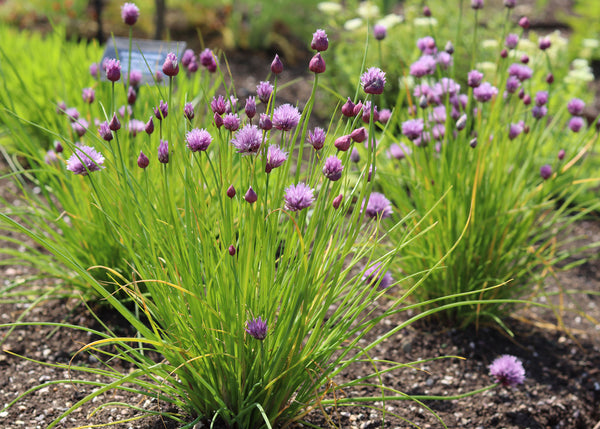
column 130, row 13
column 161, row 111
column 520, row 71
column 319, row 42
column 316, row 138
column 105, row 132
column 399, row 151
column 423, row 66
column 373, row 275
column 88, row 95
column 298, row 197
column 171, row 65
column 113, row 69
column 188, row 111
column 264, row 123
column 143, row 160
column 163, row 152
column 373, row 81
column 198, row 139
column 576, row 124
column 332, row 168
column 378, row 206
column 257, row 328
column 286, row 117
column 250, row 196
column 250, row 107
column 507, row 370
column 379, row 31
column 427, row 45
column 576, row 106
column 231, row 121
column 484, row 92
column 275, row 158
column 263, row 91
column 247, row 140
column 413, row 128
column 85, row 159
column 276, row 65
column 317, row 64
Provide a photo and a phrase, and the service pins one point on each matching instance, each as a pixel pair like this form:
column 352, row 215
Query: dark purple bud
column 561, row 154
column 231, row 191
column 337, row 201
column 348, row 108
column 473, row 142
column 521, row 93
column 379, row 31
column 58, row 148
column 317, row 64
column 510, row 3
column 546, row 171
column 449, row 47
column 343, row 143
column 264, row 123
column 218, row 120
column 135, row 78
column 545, row 43
column 527, row 99
column 320, row 42
column 113, row 70
column 131, row 95
column 163, row 152
column 423, row 102
column 105, row 132
column 188, row 111
column 525, row 59
column 149, row 126
column 251, row 196
column 171, row 65
column 130, row 13
column 231, row 250
column 426, row 11
column 503, row 53
column 524, row 23
column 161, row 111
column 359, row 135
column 143, row 160
column 477, row 4
column 276, row 65
column 358, row 108
column 550, row 78
column 114, row 124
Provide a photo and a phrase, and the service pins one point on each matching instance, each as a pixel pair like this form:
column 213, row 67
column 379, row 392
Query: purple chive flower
column 373, row 276
column 512, row 84
column 208, row 60
column 187, row 57
column 520, row 71
column 88, row 95
column 525, row 59
column 135, row 126
column 507, row 370
column 250, row 107
column 366, row 115
column 188, row 111
column 163, row 152
column 231, row 121
column 527, row 99
column 373, row 81
column 399, row 151
column 161, row 111
column 359, row 135
column 337, row 201
column 250, row 196
column 545, row 43
column 80, row 127
column 484, row 92
column 385, row 115
column 104, row 131
column 192, row 66
column 379, row 31
column 231, row 105
column 561, row 154
column 257, row 328
column 355, row 155
column 275, row 158
column 319, row 42
column 511, row 41
column 231, row 250
column 276, row 65
column 143, row 160
column 427, row 45
column 218, row 105
column 264, row 123
column 113, row 70
column 317, row 64
column 84, row 160
column 130, row 13
column 378, row 206
column 171, row 65
column 576, row 124
column 539, row 112
column 358, row 107
column 135, row 78
column 58, row 146
column 61, row 108
column 541, row 98
column 286, row 117
column 231, row 191
column 298, row 197
column 524, row 23
column 247, row 140
column 477, row 4
column 332, row 169
column 316, row 138
column 575, row 107
column 158, row 76
column 444, row 59
column 509, row 4
column 348, row 108
column 461, row 123
column 413, row 128
column 549, row 78
column 94, row 70
column 114, row 124
column 149, row 128
column 131, row 95
column 343, row 143
column 263, row 91
column 546, row 171
column 514, row 131
column 51, row 157
column 198, row 139
column 503, row 53
column 423, row 66
column 474, row 78
column 426, row 11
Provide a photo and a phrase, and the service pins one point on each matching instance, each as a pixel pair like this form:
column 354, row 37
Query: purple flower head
column 171, row 65
column 348, row 108
column 130, row 13
column 343, row 143
column 541, row 98
column 263, row 91
column 187, row 57
column 399, row 151
column 198, row 139
column 163, row 152
column 131, row 95
column 231, row 250
column 379, row 31
column 527, row 99
column 366, row 116
column 317, row 64
column 545, row 43
column 80, row 126
column 378, row 206
column 525, row 59
column 512, row 84
column 298, row 197
column 561, row 154
column 337, row 201
column 385, row 115
column 286, row 117
column 426, row 11
column 72, row 113
column 474, row 78
column 264, row 123
column 507, row 370
column 275, row 158
column 576, row 124
column 231, row 105
column 427, row 45
column 208, row 60
column 319, row 42
column 276, row 65
column 413, row 128
column 149, row 128
column 250, row 196
column 484, row 92
column 503, row 53
column 231, row 191
column 257, row 328
column 438, row 114
column 188, row 111
column 88, row 95
column 444, row 59
column 247, row 140
column 218, row 105
column 524, row 23
column 143, row 160
column 461, row 123
column 218, row 120
column 113, row 69
column 373, row 276
column 105, row 132
column 359, row 135
column 94, row 70
column 509, row 4
column 514, row 130
column 231, row 121
column 511, row 41
column 135, row 126
column 575, row 107
column 477, row 4
column 51, row 157
column 355, row 155
column 58, row 146
column 316, row 138
column 114, row 124
column 161, row 111
column 373, row 81
column 423, row 66
column 520, row 71
column 84, row 160
column 539, row 112
column 250, row 107
column 193, row 66
column 332, row 169
column 438, row 131
column 546, row 171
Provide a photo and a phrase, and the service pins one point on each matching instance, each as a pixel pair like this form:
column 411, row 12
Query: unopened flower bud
column 317, row 64
column 359, row 135
column 231, row 191
column 524, row 23
column 231, row 250
column 343, row 143
column 337, row 201
column 143, row 160
column 461, row 123
column 276, row 65
column 149, row 128
column 114, row 123
column 561, row 154
column 426, row 11
column 473, row 142
column 348, row 108
column 251, row 196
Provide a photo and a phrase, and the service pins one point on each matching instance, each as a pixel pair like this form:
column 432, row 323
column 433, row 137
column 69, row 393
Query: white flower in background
column 486, row 67
column 368, row 10
column 329, row 7
column 591, row 43
column 558, row 40
column 390, row 20
column 489, row 44
column 527, row 46
column 580, row 64
column 353, row 24
column 581, row 72
column 406, row 82
column 425, row 22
